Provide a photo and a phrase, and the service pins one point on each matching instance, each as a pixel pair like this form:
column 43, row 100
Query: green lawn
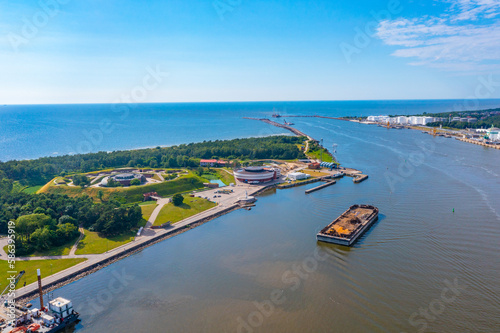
column 226, row 177
column 147, row 210
column 32, row 189
column 190, row 207
column 62, row 250
column 316, row 154
column 93, row 243
column 47, row 268
column 132, row 194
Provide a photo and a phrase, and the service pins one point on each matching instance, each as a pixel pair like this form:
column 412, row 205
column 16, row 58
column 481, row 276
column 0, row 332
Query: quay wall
column 479, row 143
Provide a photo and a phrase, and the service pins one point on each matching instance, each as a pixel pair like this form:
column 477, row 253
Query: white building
column 494, row 134
column 378, row 119
column 413, row 120
column 298, row 176
column 402, row 120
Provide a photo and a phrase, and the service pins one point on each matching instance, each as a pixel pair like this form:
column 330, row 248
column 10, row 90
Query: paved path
column 154, row 214
column 4, row 241
column 75, row 246
column 148, row 235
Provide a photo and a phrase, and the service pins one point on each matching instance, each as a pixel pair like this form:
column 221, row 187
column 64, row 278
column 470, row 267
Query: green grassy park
column 93, row 243
column 47, row 267
column 190, row 207
column 132, row 194
column 147, row 209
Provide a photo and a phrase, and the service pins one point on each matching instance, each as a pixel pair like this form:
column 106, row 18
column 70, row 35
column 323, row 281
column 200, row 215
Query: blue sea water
column 32, row 131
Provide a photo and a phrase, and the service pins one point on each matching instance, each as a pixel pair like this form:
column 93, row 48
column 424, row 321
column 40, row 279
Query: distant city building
column 402, row 120
column 378, row 119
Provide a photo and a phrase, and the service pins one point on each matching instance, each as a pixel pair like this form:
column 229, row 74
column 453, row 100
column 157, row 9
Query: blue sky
column 67, row 51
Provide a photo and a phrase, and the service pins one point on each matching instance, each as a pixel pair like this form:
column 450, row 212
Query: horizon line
column 264, row 101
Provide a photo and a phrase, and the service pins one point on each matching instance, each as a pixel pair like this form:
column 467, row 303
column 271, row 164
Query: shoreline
column 79, row 271
column 92, row 265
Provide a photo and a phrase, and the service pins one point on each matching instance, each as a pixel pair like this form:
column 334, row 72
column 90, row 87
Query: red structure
column 147, row 196
column 314, row 166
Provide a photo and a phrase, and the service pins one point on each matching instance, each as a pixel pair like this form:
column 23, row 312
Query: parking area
column 228, row 199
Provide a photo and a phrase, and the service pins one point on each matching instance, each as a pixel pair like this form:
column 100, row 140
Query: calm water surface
column 395, row 279
column 69, row 129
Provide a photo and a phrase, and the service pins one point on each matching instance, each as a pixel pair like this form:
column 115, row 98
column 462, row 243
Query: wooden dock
column 317, row 188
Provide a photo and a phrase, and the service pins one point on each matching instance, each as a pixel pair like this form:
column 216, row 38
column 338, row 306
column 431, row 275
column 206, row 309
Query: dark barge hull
column 322, row 236
column 66, row 323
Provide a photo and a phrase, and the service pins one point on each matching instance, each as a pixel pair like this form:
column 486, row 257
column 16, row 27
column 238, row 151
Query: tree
column 81, row 180
column 177, row 199
column 100, row 194
column 135, row 182
column 65, row 219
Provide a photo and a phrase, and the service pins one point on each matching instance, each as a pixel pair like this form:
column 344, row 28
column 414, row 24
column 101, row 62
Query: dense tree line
column 39, row 232
column 482, row 123
column 47, row 220
column 39, row 171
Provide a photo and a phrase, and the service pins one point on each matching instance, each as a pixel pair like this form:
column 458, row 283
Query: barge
column 349, row 226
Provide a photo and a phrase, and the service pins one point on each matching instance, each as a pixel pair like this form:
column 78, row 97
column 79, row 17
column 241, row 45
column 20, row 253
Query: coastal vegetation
column 191, row 206
column 51, row 197
column 47, row 221
column 317, row 152
column 132, row 194
column 479, row 123
column 40, row 171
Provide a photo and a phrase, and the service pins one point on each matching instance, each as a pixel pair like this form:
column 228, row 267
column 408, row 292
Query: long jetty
column 317, row 188
column 291, row 129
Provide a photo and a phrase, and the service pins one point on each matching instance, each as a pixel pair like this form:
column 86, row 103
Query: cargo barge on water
column 349, row 226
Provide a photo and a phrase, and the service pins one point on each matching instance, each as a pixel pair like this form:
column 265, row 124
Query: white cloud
column 465, row 38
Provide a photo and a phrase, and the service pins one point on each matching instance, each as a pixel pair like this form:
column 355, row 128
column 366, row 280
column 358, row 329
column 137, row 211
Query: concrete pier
column 317, row 188
column 359, row 178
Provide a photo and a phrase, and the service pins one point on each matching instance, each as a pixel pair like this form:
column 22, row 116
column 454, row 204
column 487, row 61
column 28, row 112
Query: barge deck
column 349, row 226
